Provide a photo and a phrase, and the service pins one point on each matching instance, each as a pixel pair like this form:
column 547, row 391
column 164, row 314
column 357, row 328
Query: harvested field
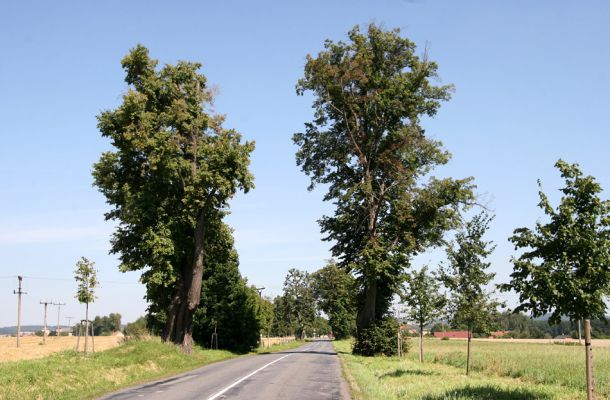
column 32, row 347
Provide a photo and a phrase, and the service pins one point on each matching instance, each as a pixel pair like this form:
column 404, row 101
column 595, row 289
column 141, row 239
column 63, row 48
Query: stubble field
column 31, row 346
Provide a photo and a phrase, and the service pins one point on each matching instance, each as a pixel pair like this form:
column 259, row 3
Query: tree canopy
column 299, row 302
column 169, row 178
column 366, row 144
column 334, row 293
column 466, row 276
column 565, row 265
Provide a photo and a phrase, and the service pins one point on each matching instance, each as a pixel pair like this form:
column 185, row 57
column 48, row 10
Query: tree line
column 174, row 168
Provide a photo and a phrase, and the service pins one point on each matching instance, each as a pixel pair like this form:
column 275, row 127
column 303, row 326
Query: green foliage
column 173, row 170
column 298, row 301
column 86, row 278
column 379, row 338
column 137, row 328
column 422, row 297
column 322, row 326
column 334, row 291
column 565, row 266
column 106, row 325
column 228, row 305
column 466, row 277
column 266, row 315
column 282, row 322
column 367, row 146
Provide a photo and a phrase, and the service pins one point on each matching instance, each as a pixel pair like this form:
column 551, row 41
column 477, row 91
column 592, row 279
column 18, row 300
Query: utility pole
column 260, row 291
column 44, row 332
column 58, row 308
column 19, row 292
column 69, row 326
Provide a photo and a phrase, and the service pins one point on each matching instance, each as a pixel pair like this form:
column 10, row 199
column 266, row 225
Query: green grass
column 540, row 363
column 503, row 371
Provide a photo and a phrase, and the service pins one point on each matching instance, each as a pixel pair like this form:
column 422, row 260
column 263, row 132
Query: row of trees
column 367, row 147
column 174, row 168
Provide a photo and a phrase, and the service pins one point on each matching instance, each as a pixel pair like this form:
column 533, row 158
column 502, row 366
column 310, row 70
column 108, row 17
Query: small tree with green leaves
column 86, row 279
column 466, row 276
column 424, row 301
column 565, row 268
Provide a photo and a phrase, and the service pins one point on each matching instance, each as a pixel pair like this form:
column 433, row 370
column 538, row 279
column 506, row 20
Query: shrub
column 378, row 339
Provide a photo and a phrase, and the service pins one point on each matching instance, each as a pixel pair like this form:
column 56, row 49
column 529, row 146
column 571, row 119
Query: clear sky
column 532, row 82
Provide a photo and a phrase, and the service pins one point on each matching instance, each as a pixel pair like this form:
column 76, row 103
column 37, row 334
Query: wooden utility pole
column 589, row 361
column 69, row 326
column 19, row 292
column 58, row 308
column 44, row 332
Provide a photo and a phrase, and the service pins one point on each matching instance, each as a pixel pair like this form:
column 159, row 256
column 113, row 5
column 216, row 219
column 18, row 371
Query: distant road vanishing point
column 310, row 372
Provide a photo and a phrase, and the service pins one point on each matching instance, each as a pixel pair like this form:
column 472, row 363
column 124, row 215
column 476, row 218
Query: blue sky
column 532, row 80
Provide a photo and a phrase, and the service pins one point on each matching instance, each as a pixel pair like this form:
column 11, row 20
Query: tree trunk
column 179, row 323
column 86, row 326
column 421, row 343
column 589, row 361
column 366, row 315
column 468, row 351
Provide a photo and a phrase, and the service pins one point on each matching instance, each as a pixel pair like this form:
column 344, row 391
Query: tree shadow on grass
column 488, row 393
column 397, row 373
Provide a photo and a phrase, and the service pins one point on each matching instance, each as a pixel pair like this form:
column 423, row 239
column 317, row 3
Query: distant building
column 452, row 334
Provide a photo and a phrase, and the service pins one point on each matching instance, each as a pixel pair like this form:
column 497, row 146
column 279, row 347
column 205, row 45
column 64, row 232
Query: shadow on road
column 327, row 353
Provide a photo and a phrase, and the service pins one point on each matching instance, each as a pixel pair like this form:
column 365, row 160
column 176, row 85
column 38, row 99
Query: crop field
column 500, row 371
column 32, row 347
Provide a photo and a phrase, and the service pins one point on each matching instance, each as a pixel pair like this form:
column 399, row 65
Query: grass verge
column 381, row 378
column 70, row 375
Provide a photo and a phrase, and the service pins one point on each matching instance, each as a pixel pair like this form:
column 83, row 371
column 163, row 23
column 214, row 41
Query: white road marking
column 237, row 382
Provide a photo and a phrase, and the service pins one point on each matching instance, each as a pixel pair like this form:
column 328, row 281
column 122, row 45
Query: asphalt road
column 310, row 372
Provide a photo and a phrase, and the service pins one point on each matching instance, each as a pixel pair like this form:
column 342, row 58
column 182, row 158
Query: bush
column 137, row 329
column 377, row 339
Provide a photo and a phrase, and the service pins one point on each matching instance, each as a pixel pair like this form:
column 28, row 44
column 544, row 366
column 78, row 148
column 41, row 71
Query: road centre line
column 237, row 382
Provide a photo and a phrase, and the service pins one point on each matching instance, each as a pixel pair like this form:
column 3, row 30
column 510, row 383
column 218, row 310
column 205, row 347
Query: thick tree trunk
column 468, row 352
column 589, row 361
column 179, row 323
column 366, row 315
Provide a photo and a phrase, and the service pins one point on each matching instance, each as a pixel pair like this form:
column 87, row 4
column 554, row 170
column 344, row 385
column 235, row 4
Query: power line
column 45, row 278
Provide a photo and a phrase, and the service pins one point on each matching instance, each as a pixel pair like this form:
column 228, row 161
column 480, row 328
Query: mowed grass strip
column 381, row 378
column 70, row 375
column 541, row 363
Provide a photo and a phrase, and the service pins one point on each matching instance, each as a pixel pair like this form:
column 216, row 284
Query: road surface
column 310, row 372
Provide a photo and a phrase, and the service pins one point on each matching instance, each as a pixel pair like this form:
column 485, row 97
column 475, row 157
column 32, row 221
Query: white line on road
column 237, row 382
